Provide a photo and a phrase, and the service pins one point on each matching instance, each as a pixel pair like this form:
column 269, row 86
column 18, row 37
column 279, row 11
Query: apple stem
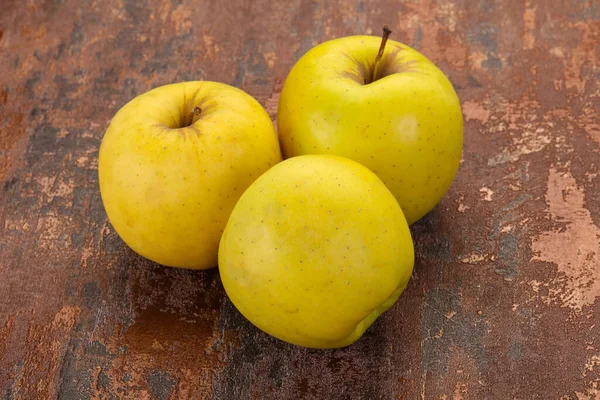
column 384, row 39
column 196, row 111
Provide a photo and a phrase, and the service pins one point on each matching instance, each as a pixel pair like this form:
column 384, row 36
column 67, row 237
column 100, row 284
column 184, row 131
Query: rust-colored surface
column 504, row 300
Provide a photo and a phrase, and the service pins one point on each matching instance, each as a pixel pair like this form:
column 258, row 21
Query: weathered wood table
column 503, row 303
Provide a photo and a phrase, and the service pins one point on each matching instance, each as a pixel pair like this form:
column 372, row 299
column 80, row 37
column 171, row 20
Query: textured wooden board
column 504, row 299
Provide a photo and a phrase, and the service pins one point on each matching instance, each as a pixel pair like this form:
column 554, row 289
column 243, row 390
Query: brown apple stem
column 384, row 39
column 196, row 111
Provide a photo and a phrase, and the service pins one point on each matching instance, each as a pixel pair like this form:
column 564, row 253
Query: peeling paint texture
column 504, row 302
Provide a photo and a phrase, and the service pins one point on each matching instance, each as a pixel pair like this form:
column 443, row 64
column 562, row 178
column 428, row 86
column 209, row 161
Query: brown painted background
column 503, row 303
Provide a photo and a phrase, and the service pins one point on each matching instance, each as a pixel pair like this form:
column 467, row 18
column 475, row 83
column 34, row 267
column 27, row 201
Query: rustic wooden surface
column 503, row 303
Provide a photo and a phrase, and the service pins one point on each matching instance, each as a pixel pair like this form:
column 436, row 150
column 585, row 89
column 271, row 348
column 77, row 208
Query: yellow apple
column 173, row 163
column 399, row 116
column 315, row 250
